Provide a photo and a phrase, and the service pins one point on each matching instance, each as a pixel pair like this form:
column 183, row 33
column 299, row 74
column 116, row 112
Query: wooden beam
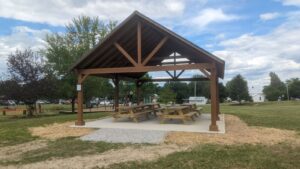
column 125, row 54
column 181, row 79
column 144, row 69
column 205, row 73
column 116, row 97
column 80, row 121
column 213, row 99
column 139, row 43
column 170, row 74
column 82, row 77
column 180, row 73
column 155, row 50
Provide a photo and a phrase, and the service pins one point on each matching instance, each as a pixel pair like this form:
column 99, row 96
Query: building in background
column 258, row 97
column 198, row 100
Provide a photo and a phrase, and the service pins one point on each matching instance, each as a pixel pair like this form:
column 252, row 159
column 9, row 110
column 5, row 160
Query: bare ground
column 14, row 152
column 106, row 158
column 59, row 130
column 237, row 132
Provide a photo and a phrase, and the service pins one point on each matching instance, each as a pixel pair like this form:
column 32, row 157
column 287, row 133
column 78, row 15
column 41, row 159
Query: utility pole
column 287, row 91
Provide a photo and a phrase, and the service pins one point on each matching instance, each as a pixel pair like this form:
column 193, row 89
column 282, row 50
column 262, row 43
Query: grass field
column 284, row 115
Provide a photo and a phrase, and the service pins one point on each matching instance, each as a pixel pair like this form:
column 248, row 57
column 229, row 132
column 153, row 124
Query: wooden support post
column 213, row 99
column 80, row 121
column 116, row 82
column 218, row 100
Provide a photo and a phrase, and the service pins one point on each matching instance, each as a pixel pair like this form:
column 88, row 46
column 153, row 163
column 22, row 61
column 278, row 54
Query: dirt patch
column 105, row 159
column 14, row 152
column 237, row 132
column 56, row 131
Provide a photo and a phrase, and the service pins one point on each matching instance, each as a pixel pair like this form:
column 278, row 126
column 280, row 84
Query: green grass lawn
column 225, row 157
column 284, row 115
column 14, row 130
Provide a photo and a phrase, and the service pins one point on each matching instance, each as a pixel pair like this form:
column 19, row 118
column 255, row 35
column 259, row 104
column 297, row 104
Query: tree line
column 45, row 74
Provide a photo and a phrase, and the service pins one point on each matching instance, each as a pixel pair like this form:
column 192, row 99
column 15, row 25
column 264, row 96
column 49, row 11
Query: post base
column 213, row 128
column 79, row 123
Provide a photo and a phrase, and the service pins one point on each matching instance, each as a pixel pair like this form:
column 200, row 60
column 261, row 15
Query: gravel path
column 126, row 136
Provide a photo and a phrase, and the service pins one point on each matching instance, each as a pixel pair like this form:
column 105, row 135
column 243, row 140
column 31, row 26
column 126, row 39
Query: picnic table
column 136, row 112
column 183, row 113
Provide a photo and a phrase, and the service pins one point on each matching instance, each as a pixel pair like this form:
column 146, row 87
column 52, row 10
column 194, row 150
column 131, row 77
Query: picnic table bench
column 177, row 112
column 5, row 111
column 193, row 107
column 136, row 112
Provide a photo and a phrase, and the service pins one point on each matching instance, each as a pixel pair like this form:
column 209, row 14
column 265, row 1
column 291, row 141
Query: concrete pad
column 201, row 124
column 126, row 136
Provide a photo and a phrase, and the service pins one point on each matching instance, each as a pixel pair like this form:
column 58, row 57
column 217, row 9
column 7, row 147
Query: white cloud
column 254, row 56
column 57, row 12
column 21, row 37
column 210, row 15
column 291, row 2
column 269, row 16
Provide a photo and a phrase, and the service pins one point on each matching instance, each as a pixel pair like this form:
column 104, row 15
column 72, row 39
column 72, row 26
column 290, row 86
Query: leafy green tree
column 63, row 49
column 238, row 89
column 203, row 89
column 294, row 87
column 181, row 89
column 276, row 88
column 29, row 79
column 166, row 95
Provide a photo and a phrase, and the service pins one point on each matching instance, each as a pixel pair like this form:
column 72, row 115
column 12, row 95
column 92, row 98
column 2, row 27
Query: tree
column 29, row 79
column 238, row 89
column 203, row 89
column 62, row 50
column 276, row 88
column 181, row 90
column 294, row 87
column 166, row 95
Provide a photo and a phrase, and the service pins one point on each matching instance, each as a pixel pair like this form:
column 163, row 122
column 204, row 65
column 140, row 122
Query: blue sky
column 254, row 37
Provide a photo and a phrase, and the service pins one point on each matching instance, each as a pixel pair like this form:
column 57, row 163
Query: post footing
column 79, row 123
column 213, row 128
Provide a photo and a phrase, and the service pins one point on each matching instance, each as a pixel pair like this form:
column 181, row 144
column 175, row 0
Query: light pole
column 287, row 91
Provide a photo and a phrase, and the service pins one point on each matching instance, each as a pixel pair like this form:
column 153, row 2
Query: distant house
column 198, row 100
column 258, row 97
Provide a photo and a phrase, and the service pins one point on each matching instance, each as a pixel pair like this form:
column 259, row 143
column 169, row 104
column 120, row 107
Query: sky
column 254, row 37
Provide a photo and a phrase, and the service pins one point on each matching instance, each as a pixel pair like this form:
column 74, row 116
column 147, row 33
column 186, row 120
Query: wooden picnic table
column 137, row 111
column 177, row 112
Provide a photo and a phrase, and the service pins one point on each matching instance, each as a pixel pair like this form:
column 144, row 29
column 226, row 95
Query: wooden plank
column 144, row 69
column 155, row 50
column 139, row 43
column 125, row 54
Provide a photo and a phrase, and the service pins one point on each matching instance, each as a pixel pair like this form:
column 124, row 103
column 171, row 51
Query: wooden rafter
column 144, row 69
column 155, row 50
column 139, row 43
column 125, row 54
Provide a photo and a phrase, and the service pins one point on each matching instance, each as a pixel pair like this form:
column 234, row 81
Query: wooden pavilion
column 139, row 45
